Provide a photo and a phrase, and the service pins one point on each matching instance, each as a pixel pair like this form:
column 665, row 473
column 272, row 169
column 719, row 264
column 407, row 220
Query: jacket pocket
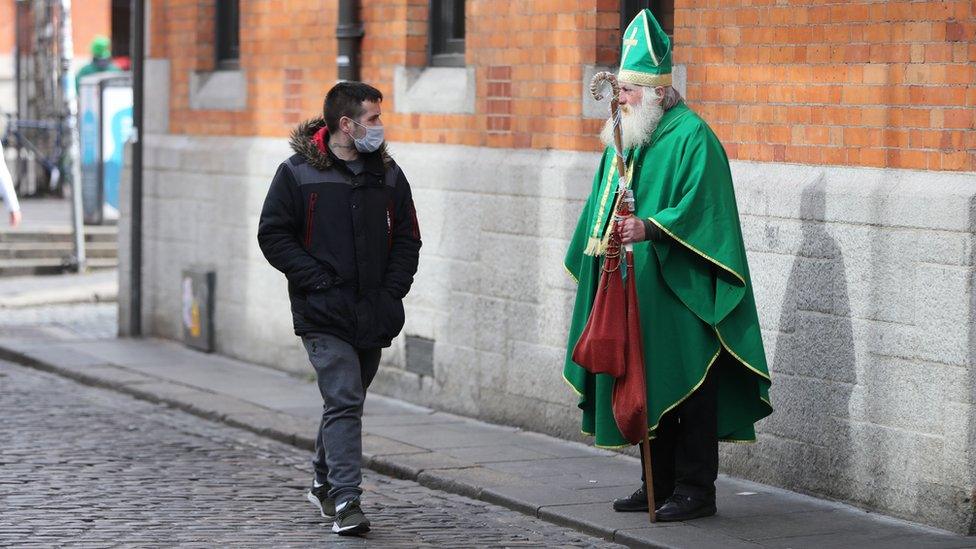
column 379, row 319
column 331, row 308
column 310, row 219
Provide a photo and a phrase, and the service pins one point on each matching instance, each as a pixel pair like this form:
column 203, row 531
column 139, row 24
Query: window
column 228, row 42
column 446, row 33
column 663, row 11
column 121, row 21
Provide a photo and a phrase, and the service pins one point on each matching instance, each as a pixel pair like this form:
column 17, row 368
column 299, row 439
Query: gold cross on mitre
column 629, row 42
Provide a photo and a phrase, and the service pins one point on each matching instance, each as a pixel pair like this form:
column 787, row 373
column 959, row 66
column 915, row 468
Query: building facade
column 850, row 126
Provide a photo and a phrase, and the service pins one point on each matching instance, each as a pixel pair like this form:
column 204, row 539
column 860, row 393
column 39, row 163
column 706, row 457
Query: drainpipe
column 349, row 33
column 137, row 50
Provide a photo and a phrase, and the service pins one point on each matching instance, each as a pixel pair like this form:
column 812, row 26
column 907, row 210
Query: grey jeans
column 344, row 373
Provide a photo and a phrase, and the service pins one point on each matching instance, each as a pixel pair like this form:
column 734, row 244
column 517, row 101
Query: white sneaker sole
column 315, row 501
column 350, row 530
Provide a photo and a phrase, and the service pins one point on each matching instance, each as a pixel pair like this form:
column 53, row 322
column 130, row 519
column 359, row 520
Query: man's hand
column 14, row 219
column 630, row 230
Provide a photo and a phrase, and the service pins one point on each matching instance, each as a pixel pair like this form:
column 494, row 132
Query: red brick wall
column 88, row 18
column 857, row 82
column 6, row 28
column 848, row 82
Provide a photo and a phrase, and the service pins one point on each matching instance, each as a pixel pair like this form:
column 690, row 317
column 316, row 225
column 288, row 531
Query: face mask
column 369, row 142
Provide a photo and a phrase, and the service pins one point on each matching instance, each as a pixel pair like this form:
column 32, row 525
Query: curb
column 435, row 479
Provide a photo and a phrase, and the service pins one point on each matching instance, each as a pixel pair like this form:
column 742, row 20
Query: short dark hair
column 346, row 99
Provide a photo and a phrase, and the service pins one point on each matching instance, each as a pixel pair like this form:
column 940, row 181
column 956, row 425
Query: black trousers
column 684, row 454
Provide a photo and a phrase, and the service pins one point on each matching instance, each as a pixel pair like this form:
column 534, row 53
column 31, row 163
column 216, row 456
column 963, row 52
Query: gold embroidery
column 576, row 280
column 630, row 42
column 643, row 79
column 740, row 359
column 699, row 252
column 596, row 246
column 693, row 389
column 571, row 386
column 593, row 242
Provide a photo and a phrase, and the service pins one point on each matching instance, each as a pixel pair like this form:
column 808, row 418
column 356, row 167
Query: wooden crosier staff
column 598, row 80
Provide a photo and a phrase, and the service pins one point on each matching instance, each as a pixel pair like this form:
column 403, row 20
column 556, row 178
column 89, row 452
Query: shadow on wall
column 814, row 368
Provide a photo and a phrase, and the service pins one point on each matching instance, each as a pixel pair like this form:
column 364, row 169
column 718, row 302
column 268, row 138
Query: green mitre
column 645, row 58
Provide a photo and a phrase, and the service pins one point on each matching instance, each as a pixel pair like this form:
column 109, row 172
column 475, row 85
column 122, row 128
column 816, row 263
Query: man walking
column 340, row 223
column 704, row 363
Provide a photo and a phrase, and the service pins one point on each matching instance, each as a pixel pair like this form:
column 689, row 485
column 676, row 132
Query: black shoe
column 350, row 520
column 679, row 507
column 319, row 497
column 636, row 502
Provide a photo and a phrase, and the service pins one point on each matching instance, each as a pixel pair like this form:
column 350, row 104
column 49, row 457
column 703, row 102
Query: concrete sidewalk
column 30, row 291
column 563, row 482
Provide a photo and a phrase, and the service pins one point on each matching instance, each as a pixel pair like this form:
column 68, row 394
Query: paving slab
column 596, row 519
column 381, row 406
column 532, row 495
column 65, row 356
column 375, row 445
column 31, row 291
column 872, row 539
column 411, row 465
column 778, row 525
column 680, row 535
column 469, row 481
column 494, row 454
column 282, row 427
column 577, row 472
column 448, row 435
column 557, row 448
column 384, row 420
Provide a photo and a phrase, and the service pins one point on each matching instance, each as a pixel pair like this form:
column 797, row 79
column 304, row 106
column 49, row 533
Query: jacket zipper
column 389, row 226
column 312, row 198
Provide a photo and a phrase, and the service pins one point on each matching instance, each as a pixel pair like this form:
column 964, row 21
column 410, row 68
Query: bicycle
column 15, row 138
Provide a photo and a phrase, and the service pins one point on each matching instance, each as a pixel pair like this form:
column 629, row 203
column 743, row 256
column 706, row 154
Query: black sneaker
column 636, row 502
column 350, row 520
column 320, row 498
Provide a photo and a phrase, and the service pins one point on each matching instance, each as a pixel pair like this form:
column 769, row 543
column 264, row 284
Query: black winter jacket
column 348, row 244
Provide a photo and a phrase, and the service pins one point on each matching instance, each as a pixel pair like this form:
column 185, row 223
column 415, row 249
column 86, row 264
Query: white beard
column 636, row 123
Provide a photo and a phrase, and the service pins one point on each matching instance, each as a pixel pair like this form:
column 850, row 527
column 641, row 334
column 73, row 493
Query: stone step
column 47, row 266
column 52, row 250
column 98, row 233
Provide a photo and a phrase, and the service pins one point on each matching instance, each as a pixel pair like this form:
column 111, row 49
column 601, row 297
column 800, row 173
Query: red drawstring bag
column 601, row 347
column 611, row 342
column 629, row 400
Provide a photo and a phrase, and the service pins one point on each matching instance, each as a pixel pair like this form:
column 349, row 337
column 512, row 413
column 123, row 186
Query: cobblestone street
column 82, row 466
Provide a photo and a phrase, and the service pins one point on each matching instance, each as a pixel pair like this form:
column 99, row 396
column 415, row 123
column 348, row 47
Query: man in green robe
column 705, row 367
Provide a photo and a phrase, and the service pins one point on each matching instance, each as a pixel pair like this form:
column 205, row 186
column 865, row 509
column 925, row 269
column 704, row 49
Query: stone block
column 530, row 376
column 901, row 394
column 434, row 89
column 157, row 96
column 944, row 313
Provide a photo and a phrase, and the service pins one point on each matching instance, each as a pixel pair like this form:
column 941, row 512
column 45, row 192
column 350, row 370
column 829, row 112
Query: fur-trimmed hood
column 303, row 141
